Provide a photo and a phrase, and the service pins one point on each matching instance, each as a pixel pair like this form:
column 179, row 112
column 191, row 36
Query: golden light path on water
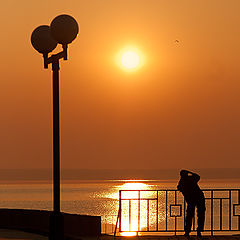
column 134, row 222
column 130, row 205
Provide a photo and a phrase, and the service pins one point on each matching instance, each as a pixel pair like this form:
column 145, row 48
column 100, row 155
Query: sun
column 130, row 60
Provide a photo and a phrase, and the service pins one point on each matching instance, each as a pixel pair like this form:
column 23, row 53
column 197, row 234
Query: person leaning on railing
column 188, row 186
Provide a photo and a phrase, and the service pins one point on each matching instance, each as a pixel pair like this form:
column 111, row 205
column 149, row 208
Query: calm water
column 85, row 197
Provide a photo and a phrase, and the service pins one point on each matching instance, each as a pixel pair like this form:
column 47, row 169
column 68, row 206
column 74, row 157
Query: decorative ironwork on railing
column 165, row 211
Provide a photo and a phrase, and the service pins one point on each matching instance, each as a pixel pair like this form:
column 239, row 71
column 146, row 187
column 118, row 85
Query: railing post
column 238, row 216
column 130, row 215
column 212, row 212
column 139, row 210
column 175, row 216
column 220, row 206
column 115, row 231
column 157, row 213
column 166, row 209
column 148, row 215
column 230, row 209
column 120, row 211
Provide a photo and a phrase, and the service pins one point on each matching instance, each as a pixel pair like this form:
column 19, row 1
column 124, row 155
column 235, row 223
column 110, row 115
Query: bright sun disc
column 130, row 60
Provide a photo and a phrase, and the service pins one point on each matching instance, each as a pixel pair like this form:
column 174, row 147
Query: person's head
column 183, row 173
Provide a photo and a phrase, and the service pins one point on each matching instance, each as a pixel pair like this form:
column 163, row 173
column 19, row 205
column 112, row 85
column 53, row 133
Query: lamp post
column 63, row 30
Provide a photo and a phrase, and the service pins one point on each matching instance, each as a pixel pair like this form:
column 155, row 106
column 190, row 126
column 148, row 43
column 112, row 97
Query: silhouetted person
column 188, row 186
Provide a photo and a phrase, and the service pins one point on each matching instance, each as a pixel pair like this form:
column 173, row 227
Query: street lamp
column 63, row 30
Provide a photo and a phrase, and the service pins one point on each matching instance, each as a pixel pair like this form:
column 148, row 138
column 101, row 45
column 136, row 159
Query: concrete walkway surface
column 6, row 234
column 217, row 237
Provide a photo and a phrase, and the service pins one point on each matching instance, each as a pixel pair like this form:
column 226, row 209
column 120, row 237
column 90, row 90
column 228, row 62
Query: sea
column 88, row 197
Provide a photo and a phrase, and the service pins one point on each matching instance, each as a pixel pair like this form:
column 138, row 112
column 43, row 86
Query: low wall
column 37, row 221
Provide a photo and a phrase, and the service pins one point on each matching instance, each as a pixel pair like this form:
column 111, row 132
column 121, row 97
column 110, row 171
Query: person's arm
column 190, row 175
column 180, row 186
column 195, row 177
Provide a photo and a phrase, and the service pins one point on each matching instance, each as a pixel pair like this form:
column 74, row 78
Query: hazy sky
column 180, row 109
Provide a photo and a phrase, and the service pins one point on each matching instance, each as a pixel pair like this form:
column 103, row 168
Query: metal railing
column 165, row 211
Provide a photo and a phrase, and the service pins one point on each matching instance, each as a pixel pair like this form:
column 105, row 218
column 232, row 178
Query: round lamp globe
column 64, row 29
column 42, row 40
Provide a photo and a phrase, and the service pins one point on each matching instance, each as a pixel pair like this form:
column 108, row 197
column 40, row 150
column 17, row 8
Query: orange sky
column 181, row 109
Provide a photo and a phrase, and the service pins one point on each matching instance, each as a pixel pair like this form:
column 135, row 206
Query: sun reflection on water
column 134, row 186
column 129, row 185
column 131, row 222
column 131, row 228
column 128, row 234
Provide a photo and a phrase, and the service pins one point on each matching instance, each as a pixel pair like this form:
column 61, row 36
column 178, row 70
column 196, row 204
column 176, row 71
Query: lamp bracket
column 55, row 57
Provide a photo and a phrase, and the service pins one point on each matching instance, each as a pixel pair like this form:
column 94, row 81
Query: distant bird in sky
column 177, row 41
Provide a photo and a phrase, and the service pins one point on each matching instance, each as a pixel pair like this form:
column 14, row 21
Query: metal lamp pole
column 54, row 60
column 63, row 29
column 56, row 219
column 56, row 138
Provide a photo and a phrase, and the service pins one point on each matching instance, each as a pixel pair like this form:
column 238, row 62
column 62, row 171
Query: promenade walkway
column 6, row 234
column 223, row 237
